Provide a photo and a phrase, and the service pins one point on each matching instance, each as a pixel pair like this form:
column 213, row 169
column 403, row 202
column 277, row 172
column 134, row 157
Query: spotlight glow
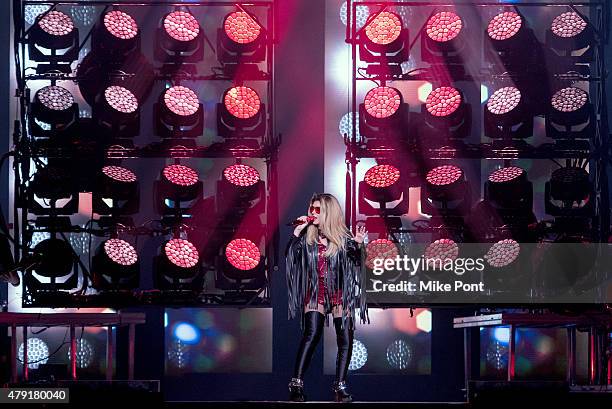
column 181, row 100
column 504, row 100
column 120, row 25
column 241, row 28
column 444, row 175
column 569, row 99
column 382, row 102
column 180, row 175
column 504, row 25
column 382, row 176
column 186, row 333
column 56, row 23
column 121, row 252
column 384, row 28
column 241, row 175
column 119, row 174
column 443, row 101
column 444, row 26
column 568, row 25
column 121, row 99
column 242, row 102
column 55, row 98
column 243, row 254
column 182, row 253
column 181, row 26
column 505, row 174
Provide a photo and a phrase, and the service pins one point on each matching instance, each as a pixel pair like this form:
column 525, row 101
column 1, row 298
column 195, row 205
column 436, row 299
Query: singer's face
column 315, row 210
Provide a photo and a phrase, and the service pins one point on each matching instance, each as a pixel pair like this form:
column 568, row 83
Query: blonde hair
column 331, row 224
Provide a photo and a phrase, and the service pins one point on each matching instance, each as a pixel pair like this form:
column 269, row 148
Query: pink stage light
column 120, row 252
column 568, row 25
column 181, row 100
column 444, row 175
column 180, row 175
column 120, row 25
column 241, row 175
column 243, row 254
column 380, row 249
column 181, row 26
column 569, row 99
column 444, row 26
column 443, row 101
column 182, row 253
column 56, row 23
column 55, row 98
column 121, row 99
column 242, row 102
column 382, row 102
column 504, row 100
column 441, row 249
column 382, row 176
column 504, row 25
column 384, row 28
column 241, row 28
column 119, row 174
column 503, row 253
column 507, row 174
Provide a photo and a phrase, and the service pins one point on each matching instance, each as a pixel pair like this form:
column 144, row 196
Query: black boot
column 313, row 328
column 344, row 339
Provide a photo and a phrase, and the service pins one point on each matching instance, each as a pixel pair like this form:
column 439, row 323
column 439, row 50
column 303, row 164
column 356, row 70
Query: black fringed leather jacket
column 346, row 272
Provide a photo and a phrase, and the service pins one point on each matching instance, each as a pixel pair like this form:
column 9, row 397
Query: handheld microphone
column 298, row 222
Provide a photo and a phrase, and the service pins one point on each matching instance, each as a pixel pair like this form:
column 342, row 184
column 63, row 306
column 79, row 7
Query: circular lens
column 181, row 26
column 504, row 100
column 569, row 99
column 382, row 176
column 504, row 25
column 568, row 25
column 121, row 99
column 444, row 26
column 242, row 102
column 182, row 253
column 443, row 101
column 181, row 100
column 56, row 23
column 180, row 175
column 119, row 174
column 505, row 174
column 243, row 254
column 241, row 175
column 55, row 98
column 439, row 251
column 502, row 253
column 121, row 252
column 120, row 25
column 444, row 175
column 384, row 28
column 382, row 102
column 241, row 28
column 380, row 249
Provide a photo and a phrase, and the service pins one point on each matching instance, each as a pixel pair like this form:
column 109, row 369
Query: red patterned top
column 336, row 299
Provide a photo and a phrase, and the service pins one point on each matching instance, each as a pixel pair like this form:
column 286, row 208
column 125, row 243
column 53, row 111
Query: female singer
column 325, row 273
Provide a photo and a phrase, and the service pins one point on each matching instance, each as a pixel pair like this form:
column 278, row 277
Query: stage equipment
column 116, row 193
column 571, row 36
column 568, row 193
column 383, row 117
column 179, row 114
column 240, row 265
column 115, row 36
column 176, row 191
column 241, row 45
column 241, row 116
column 507, row 115
column 53, row 190
column 53, row 266
column 179, row 42
column 241, row 196
column 570, row 115
column 446, row 116
column 444, row 44
column 117, row 109
column 509, row 191
column 381, row 248
column 115, row 266
column 384, row 44
column 54, row 115
column 384, row 185
column 54, row 42
column 446, row 192
column 178, row 266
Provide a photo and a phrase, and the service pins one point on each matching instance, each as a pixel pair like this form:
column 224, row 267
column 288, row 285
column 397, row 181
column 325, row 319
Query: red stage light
column 181, row 100
column 380, row 249
column 504, row 100
column 241, row 28
column 382, row 176
column 119, row 174
column 56, row 23
column 181, row 26
column 242, row 102
column 569, row 99
column 382, row 102
column 443, row 101
column 503, row 253
column 121, row 252
column 568, row 24
column 242, row 254
column 121, row 99
column 444, row 175
column 384, row 28
column 120, row 25
column 504, row 175
column 180, row 175
column 55, row 98
column 504, row 25
column 241, row 175
column 442, row 249
column 444, row 26
column 182, row 253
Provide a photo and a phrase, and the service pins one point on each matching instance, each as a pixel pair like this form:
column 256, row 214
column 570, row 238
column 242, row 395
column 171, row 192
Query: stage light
column 115, row 266
column 54, row 112
column 446, row 116
column 115, row 36
column 399, row 354
column 84, row 353
column 187, row 333
column 504, row 26
column 241, row 197
column 568, row 193
column 514, row 43
column 117, row 110
column 569, row 35
column 446, row 192
column 570, row 115
column 362, row 13
column 56, row 187
column 179, row 186
column 443, row 41
column 241, row 114
column 439, row 251
column 509, row 191
column 503, row 253
column 506, row 115
column 242, row 254
column 33, row 11
column 359, row 356
column 54, row 42
column 241, row 44
column 53, row 267
column 380, row 249
column 180, row 41
column 179, row 114
column 178, row 266
column 383, row 44
column 383, row 184
column 383, row 116
column 116, row 192
column 38, row 352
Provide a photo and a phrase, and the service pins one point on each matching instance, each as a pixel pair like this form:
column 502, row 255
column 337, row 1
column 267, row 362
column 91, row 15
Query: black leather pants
column 344, row 340
column 313, row 328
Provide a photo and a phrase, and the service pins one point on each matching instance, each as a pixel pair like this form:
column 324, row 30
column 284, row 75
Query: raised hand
column 361, row 234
